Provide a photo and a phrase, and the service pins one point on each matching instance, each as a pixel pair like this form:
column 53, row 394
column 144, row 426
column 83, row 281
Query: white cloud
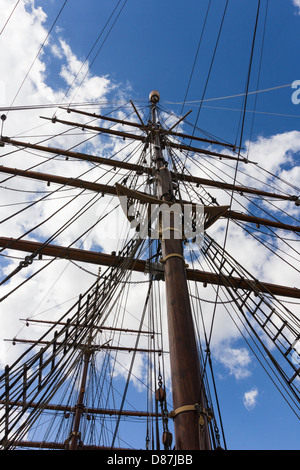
column 237, row 361
column 21, row 41
column 250, row 399
column 76, row 74
column 296, row 3
column 275, row 151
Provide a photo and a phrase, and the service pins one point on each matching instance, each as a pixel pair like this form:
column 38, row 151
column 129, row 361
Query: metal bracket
column 182, row 409
column 173, row 255
column 202, row 412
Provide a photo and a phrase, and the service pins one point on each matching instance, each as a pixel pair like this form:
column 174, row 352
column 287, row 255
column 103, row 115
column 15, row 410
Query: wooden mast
column 190, row 420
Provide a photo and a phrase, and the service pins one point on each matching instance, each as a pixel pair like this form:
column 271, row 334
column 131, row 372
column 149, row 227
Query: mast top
column 154, row 96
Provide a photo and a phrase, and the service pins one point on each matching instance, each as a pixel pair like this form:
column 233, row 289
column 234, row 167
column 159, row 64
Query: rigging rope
column 211, row 64
column 97, row 53
column 196, row 56
column 9, row 17
column 239, row 95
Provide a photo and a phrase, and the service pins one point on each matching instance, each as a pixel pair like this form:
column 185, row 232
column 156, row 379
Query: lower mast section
column 189, row 414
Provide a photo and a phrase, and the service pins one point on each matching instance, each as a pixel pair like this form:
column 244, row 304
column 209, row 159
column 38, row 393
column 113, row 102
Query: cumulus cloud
column 250, row 399
column 27, row 79
column 237, row 361
column 296, row 3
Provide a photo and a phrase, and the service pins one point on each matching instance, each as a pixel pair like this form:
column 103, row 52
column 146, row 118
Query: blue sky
column 154, row 48
column 152, row 45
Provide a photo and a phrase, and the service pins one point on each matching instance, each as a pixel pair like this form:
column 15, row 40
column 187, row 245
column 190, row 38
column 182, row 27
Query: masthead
column 154, row 96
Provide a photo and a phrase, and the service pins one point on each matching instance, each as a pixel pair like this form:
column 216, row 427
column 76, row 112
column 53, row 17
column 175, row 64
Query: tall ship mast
column 129, row 363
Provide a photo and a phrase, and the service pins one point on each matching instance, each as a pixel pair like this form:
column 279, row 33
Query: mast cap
column 154, row 96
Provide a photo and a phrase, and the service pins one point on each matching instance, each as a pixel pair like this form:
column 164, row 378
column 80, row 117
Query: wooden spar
column 95, row 348
column 107, row 189
column 142, row 126
column 99, row 328
column 92, row 411
column 143, row 169
column 235, row 187
column 73, row 182
column 106, row 118
column 79, row 155
column 184, row 360
column 139, row 265
column 98, row 129
column 143, row 138
column 260, row 221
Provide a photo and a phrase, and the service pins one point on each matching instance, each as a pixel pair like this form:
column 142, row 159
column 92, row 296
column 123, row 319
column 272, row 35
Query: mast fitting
column 154, row 96
column 202, row 411
column 173, row 255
